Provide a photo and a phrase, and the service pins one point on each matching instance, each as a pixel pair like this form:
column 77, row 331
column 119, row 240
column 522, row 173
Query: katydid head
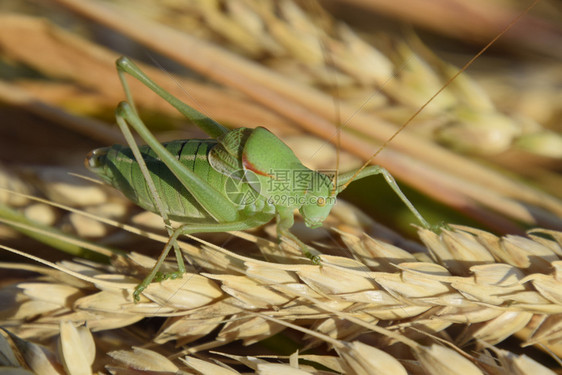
column 318, row 200
column 285, row 180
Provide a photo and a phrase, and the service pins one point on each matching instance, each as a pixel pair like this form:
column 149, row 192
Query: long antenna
column 329, row 61
column 445, row 85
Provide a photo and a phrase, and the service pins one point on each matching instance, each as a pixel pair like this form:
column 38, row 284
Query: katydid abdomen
column 116, row 165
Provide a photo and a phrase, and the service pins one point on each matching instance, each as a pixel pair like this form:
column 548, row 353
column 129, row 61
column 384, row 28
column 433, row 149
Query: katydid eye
column 321, row 201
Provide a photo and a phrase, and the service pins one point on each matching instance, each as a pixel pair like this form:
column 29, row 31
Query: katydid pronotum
column 227, row 183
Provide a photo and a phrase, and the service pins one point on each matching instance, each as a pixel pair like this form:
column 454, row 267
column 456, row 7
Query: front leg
column 346, row 178
column 285, row 221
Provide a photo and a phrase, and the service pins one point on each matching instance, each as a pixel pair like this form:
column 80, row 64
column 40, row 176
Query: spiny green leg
column 121, row 117
column 375, row 169
column 285, row 220
column 195, row 228
column 208, row 125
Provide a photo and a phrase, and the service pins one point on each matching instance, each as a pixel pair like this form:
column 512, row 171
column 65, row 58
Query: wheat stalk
column 494, row 285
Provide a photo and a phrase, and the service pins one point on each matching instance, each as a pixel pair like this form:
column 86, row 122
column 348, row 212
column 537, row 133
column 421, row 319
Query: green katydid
column 238, row 179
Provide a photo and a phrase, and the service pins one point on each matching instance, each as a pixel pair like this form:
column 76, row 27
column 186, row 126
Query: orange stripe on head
column 250, row 166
